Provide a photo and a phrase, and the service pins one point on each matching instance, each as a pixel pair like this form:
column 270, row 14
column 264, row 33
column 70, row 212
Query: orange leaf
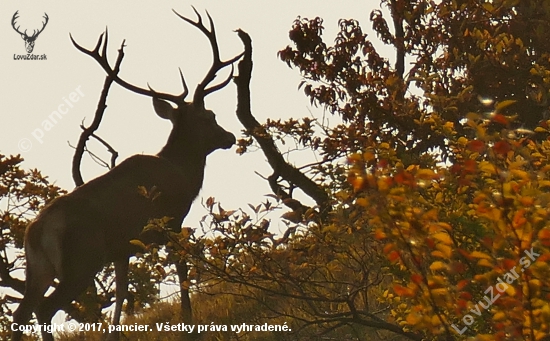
column 388, row 248
column 476, row 146
column 430, row 242
column 358, row 183
column 465, row 295
column 509, row 263
column 379, row 234
column 416, row 278
column 499, row 118
column 403, row 291
column 393, row 256
column 544, row 234
column 382, row 163
column 463, row 304
column 404, row 178
column 457, row 267
column 519, row 219
column 527, row 201
column 462, row 284
column 470, row 166
column 465, row 253
column 502, row 147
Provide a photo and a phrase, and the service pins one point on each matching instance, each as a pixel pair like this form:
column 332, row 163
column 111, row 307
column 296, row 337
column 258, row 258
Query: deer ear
column 163, row 108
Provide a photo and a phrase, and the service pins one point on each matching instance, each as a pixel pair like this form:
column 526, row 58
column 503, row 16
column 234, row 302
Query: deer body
column 99, row 203
column 76, row 234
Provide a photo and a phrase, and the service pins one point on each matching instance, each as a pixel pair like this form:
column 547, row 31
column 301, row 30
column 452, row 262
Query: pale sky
column 158, row 43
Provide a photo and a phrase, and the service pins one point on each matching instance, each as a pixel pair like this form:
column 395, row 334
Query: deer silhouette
column 76, row 234
column 29, row 41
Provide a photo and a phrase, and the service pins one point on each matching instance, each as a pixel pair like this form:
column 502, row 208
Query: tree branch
column 87, row 132
column 280, row 167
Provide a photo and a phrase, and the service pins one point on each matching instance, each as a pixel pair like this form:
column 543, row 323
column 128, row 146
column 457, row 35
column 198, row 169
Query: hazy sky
column 157, row 44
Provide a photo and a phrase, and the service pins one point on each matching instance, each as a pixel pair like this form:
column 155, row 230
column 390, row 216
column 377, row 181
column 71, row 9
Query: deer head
column 29, row 41
column 75, row 235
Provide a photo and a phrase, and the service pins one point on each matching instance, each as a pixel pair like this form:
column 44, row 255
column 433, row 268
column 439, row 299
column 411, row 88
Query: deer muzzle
column 228, row 141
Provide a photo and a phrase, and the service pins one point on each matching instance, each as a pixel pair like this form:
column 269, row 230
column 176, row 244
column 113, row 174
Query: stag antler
column 101, row 58
column 201, row 91
column 99, row 53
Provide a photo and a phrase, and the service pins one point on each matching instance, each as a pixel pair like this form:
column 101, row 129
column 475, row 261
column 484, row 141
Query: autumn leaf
column 503, row 104
column 478, row 254
column 438, row 265
column 403, row 291
column 443, row 237
column 502, row 147
column 499, row 118
column 476, row 146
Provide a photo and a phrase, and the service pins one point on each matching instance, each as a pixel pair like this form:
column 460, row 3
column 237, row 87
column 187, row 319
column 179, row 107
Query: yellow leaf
column 485, row 262
column 441, row 292
column 499, row 316
column 436, row 321
column 487, row 167
column 462, row 141
column 437, row 253
column 369, row 156
column 139, row 243
column 501, row 105
column 510, row 290
column 413, row 318
column 478, row 254
column 472, row 116
column 445, row 226
column 426, row 174
column 520, row 174
column 355, row 157
column 438, row 265
column 362, row 202
column 444, row 249
column 442, row 237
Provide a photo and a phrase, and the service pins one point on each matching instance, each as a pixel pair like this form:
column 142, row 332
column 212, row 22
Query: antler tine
column 13, row 19
column 101, row 59
column 43, row 25
column 185, row 89
column 217, row 64
column 222, row 84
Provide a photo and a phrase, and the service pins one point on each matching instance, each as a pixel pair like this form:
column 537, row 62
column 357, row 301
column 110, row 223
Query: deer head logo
column 29, row 40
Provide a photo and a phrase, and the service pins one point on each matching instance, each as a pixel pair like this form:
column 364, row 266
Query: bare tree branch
column 281, row 168
column 87, row 132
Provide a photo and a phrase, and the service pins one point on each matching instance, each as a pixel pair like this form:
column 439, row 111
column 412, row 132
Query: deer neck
column 188, row 159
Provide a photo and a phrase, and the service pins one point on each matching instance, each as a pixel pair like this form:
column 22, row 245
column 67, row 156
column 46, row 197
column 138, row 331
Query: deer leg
column 34, row 294
column 77, row 274
column 63, row 295
column 121, row 293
